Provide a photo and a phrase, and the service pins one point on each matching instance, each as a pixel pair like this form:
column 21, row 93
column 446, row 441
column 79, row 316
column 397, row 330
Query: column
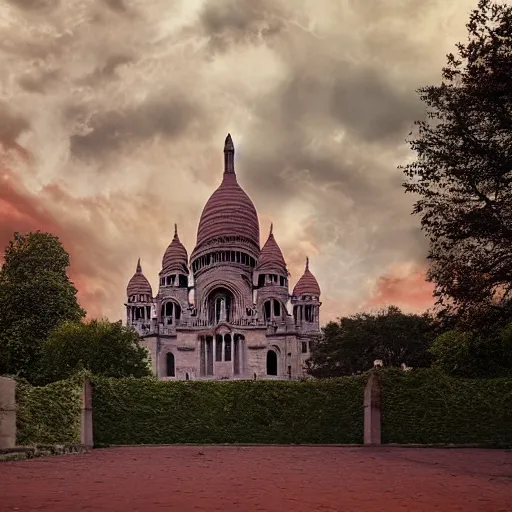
column 202, row 356
column 372, row 427
column 236, row 354
column 86, row 437
column 7, row 413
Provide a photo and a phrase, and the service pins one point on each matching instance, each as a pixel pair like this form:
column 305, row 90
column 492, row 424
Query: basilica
column 226, row 312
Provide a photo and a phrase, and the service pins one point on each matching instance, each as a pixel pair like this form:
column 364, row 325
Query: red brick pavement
column 263, row 479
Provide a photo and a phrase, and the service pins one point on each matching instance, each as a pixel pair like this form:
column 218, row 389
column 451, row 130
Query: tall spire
column 307, row 263
column 271, row 229
column 229, row 156
column 176, row 231
column 139, row 268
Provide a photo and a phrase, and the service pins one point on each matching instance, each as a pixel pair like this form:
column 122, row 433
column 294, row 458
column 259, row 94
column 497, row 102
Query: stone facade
column 226, row 313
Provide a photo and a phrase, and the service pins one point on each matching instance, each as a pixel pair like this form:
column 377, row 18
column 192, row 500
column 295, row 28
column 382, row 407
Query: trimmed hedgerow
column 426, row 406
column 48, row 414
column 147, row 411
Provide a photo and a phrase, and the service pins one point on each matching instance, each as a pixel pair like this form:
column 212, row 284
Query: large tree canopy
column 352, row 344
column 463, row 172
column 474, row 354
column 36, row 295
column 102, row 347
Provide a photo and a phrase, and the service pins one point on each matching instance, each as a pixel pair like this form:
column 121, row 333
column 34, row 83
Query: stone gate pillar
column 86, row 420
column 372, row 435
column 7, row 413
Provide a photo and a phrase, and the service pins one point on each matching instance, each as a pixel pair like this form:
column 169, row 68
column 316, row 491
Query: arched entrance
column 271, row 362
column 170, row 365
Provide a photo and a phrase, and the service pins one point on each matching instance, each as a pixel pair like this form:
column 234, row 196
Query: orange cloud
column 404, row 287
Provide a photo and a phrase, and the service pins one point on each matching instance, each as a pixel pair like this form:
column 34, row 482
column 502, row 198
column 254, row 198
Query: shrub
column 146, row 411
column 427, row 406
column 48, row 414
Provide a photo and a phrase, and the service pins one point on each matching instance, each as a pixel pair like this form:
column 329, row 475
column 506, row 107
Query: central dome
column 229, row 211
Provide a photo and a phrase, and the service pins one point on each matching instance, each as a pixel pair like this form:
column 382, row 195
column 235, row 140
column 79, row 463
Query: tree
column 463, row 173
column 352, row 344
column 36, row 295
column 102, row 347
column 474, row 354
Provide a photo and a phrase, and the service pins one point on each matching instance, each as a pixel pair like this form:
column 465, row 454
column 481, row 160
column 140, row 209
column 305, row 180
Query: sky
column 113, row 115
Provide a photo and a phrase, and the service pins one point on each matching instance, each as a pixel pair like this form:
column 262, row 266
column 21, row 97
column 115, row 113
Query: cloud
column 37, row 5
column 402, row 287
column 12, row 124
column 116, row 5
column 120, row 109
column 232, row 22
column 110, row 129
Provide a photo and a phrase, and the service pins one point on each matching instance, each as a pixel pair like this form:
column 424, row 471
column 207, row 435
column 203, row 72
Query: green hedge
column 425, row 406
column 48, row 414
column 147, row 411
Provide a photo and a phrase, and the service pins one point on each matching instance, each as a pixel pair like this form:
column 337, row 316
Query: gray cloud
column 371, row 107
column 232, row 22
column 12, row 124
column 113, row 128
column 37, row 5
column 116, row 5
column 107, row 69
column 39, row 82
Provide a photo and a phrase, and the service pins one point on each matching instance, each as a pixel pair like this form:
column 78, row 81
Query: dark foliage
column 463, row 173
column 483, row 354
column 352, row 344
column 147, row 411
column 99, row 346
column 427, row 407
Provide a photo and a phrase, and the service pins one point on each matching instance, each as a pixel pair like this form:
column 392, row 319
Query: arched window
column 277, row 309
column 267, row 310
column 220, row 305
column 170, row 312
column 271, row 363
column 171, row 370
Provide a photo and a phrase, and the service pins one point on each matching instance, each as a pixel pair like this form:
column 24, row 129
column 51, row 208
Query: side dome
column 307, row 284
column 271, row 258
column 138, row 284
column 229, row 211
column 175, row 256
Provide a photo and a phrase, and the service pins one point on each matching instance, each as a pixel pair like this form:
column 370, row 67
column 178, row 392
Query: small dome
column 271, row 258
column 139, row 284
column 175, row 257
column 307, row 284
column 229, row 211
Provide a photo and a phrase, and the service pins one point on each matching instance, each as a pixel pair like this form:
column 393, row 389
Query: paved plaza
column 263, row 479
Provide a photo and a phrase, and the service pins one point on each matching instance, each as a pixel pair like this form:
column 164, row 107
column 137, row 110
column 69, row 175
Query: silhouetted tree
column 352, row 344
column 463, row 173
